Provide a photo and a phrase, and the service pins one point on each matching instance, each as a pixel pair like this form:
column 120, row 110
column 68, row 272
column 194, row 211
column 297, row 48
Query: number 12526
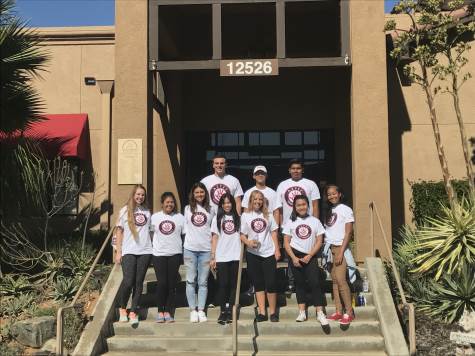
column 252, row 67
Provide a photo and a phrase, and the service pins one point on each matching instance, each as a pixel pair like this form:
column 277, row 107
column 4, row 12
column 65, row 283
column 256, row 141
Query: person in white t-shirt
column 260, row 176
column 225, row 253
column 167, row 226
column 197, row 250
column 219, row 183
column 259, row 234
column 288, row 190
column 303, row 238
column 339, row 219
column 133, row 251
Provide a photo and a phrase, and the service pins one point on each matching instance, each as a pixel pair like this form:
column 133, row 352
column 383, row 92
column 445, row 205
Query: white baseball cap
column 260, row 168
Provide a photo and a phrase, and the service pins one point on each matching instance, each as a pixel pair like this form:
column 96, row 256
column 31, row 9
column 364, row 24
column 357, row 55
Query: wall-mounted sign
column 129, row 161
column 249, row 67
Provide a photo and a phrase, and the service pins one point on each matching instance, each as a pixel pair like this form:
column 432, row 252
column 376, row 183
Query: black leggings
column 307, row 276
column 227, row 279
column 262, row 271
column 166, row 270
column 134, row 268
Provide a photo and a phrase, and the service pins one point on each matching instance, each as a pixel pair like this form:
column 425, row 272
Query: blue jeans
column 197, row 269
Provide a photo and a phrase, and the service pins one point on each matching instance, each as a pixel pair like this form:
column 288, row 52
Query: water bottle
column 361, row 300
column 365, row 284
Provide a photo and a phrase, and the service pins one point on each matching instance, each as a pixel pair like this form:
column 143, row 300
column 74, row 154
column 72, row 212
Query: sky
column 55, row 13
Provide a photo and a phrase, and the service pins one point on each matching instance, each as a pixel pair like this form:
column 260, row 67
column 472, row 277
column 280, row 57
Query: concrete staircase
column 287, row 337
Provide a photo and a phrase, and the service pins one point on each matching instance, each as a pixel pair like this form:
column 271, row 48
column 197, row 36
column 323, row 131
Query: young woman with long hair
column 225, row 253
column 197, row 250
column 303, row 238
column 168, row 227
column 133, row 250
column 259, row 234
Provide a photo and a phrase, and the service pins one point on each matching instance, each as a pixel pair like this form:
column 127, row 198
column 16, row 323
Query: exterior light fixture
column 89, row 80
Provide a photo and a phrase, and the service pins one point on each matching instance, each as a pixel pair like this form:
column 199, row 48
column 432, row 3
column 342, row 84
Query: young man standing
column 260, row 176
column 219, row 183
column 288, row 190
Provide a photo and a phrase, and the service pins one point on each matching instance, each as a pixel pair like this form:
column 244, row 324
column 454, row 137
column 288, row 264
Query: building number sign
column 250, row 67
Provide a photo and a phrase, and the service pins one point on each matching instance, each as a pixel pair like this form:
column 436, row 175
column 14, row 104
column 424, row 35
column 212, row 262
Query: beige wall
column 77, row 53
column 413, row 151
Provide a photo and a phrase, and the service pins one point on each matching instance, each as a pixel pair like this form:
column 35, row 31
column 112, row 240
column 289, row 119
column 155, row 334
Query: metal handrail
column 60, row 313
column 236, row 302
column 408, row 307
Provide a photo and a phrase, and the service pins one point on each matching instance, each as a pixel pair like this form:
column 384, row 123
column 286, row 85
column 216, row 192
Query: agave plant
column 79, row 259
column 447, row 243
column 452, row 296
column 64, row 288
column 14, row 285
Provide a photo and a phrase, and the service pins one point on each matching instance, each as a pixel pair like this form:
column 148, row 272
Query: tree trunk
column 438, row 142
column 463, row 136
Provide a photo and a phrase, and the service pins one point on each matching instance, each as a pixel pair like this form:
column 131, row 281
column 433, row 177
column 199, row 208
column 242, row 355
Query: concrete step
column 212, row 328
column 159, row 344
column 248, row 313
column 320, row 343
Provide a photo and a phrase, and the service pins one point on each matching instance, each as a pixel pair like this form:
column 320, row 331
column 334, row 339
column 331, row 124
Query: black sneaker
column 261, row 317
column 223, row 316
column 274, row 318
column 229, row 316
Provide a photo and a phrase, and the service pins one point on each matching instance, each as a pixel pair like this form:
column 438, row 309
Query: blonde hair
column 131, row 206
column 265, row 203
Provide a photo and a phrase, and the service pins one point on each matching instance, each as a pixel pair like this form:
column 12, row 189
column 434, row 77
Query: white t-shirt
column 303, row 233
column 197, row 229
column 269, row 193
column 289, row 189
column 142, row 245
column 229, row 241
column 217, row 186
column 256, row 227
column 167, row 231
column 335, row 227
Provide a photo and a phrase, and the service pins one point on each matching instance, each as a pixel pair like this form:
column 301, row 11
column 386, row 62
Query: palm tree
column 21, row 59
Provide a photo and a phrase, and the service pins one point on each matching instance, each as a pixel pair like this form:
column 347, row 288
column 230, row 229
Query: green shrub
column 79, row 260
column 73, row 325
column 10, row 350
column 14, row 285
column 46, row 311
column 15, row 306
column 428, row 197
column 64, row 288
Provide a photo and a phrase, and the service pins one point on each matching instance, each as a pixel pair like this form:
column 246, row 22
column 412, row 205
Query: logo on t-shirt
column 303, row 231
column 228, row 227
column 332, row 219
column 217, row 192
column 258, row 225
column 291, row 193
column 140, row 219
column 166, row 227
column 198, row 219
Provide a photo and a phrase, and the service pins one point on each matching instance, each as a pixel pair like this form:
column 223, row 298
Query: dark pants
column 134, row 268
column 166, row 270
column 227, row 279
column 262, row 271
column 307, row 276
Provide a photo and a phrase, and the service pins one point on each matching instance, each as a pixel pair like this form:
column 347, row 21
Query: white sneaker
column 202, row 317
column 322, row 318
column 301, row 317
column 194, row 316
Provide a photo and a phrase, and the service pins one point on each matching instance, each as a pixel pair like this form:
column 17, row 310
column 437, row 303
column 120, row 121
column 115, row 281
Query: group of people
column 217, row 219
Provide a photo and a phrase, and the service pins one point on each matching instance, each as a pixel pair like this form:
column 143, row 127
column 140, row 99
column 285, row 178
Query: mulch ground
column 433, row 337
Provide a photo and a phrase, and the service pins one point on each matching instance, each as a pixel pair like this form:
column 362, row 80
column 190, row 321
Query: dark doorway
column 274, row 149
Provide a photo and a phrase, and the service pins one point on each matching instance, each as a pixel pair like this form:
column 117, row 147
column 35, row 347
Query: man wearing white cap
column 260, row 176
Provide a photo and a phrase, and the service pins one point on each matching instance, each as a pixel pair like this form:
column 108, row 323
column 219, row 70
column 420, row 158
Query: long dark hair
column 294, row 214
column 233, row 212
column 169, row 195
column 192, row 200
column 327, row 209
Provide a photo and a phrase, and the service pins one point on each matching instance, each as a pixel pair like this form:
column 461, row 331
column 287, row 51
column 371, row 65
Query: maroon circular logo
column 166, row 227
column 198, row 219
column 291, row 193
column 217, row 192
column 140, row 219
column 228, row 227
column 332, row 219
column 258, row 225
column 303, row 231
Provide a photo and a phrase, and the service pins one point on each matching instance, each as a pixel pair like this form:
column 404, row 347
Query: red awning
column 65, row 135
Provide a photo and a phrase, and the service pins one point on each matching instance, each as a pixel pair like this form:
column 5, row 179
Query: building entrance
column 274, row 149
